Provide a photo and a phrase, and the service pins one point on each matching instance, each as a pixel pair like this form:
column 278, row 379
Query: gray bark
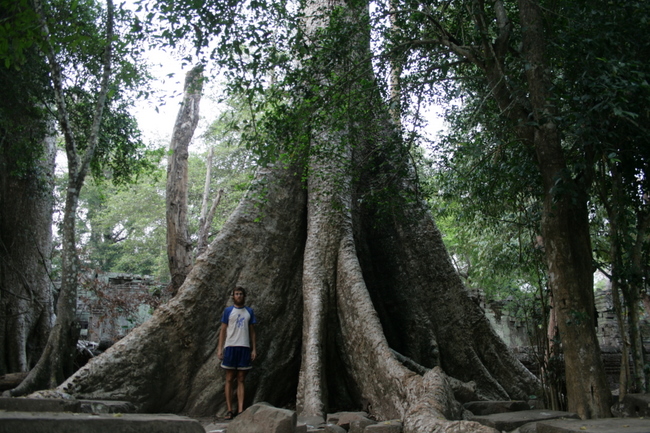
column 26, row 203
column 205, row 220
column 170, row 364
column 179, row 247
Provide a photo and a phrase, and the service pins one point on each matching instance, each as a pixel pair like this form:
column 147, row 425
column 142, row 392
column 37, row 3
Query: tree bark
column 170, row 364
column 26, row 204
column 179, row 247
column 565, row 227
column 205, row 220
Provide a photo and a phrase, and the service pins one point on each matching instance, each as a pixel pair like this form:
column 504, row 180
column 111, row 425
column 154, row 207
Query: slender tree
column 179, row 246
column 56, row 362
column 98, row 136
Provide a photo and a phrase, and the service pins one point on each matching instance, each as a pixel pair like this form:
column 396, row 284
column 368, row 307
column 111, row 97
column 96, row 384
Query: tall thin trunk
column 205, row 220
column 179, row 247
column 395, row 101
column 626, row 277
column 633, row 299
column 565, row 226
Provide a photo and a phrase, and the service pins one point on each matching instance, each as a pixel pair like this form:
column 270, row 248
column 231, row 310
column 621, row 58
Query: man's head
column 239, row 296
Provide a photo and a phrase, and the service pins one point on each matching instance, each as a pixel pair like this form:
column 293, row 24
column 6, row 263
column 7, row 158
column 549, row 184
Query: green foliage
column 77, row 37
column 123, row 228
column 19, row 34
column 486, row 196
column 24, row 92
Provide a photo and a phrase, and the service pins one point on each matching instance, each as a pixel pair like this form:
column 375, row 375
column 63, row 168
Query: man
column 237, row 347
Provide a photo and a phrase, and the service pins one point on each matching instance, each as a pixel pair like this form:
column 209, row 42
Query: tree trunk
column 170, row 364
column 565, row 227
column 179, row 247
column 205, row 220
column 632, row 293
column 26, row 204
column 56, row 362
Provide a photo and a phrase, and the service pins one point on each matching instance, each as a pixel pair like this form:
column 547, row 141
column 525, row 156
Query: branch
column 204, row 230
column 206, row 187
column 59, row 97
column 76, row 169
column 102, row 95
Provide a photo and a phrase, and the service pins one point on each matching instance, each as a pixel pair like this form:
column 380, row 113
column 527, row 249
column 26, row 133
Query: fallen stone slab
column 24, row 404
column 217, row 427
column 359, row 425
column 264, row 418
column 343, row 419
column 392, row 426
column 11, row 380
column 490, row 407
column 65, row 422
column 334, row 428
column 311, row 421
column 599, row 425
column 633, row 405
column 511, row 420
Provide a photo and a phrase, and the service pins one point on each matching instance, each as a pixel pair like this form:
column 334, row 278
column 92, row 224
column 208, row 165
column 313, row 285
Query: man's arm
column 222, row 339
column 253, row 337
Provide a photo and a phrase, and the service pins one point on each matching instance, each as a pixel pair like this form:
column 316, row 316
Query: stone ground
column 86, row 416
column 213, row 424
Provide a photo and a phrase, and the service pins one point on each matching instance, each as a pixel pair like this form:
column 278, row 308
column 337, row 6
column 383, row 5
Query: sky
column 157, row 124
column 157, row 121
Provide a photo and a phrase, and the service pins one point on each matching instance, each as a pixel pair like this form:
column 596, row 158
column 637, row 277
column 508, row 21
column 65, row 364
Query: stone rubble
column 30, row 415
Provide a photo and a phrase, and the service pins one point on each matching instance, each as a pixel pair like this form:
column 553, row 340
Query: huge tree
column 358, row 301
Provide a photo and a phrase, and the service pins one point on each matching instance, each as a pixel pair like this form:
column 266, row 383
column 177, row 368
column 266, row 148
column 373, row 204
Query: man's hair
column 239, row 289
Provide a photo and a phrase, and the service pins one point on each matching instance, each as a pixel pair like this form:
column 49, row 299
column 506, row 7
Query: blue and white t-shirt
column 238, row 320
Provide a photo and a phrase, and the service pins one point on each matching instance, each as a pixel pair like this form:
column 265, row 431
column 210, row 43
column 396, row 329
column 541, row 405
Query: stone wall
column 124, row 305
column 516, row 336
column 513, row 331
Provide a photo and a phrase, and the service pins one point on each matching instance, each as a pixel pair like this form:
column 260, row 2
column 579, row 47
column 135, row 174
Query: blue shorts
column 237, row 358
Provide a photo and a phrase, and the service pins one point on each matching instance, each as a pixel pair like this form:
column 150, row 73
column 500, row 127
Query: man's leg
column 241, row 376
column 230, row 377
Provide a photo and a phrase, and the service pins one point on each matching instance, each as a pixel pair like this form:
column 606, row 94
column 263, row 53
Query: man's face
column 238, row 297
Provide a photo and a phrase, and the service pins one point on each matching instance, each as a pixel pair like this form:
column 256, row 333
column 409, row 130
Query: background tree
column 27, row 150
column 83, row 89
column 179, row 247
column 503, row 47
column 604, row 95
column 118, row 234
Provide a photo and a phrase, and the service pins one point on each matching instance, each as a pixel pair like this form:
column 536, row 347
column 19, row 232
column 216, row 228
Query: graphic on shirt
column 240, row 321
